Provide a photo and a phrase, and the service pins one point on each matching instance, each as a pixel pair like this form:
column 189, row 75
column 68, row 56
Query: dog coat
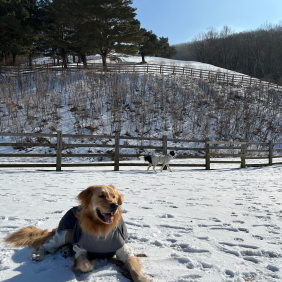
column 101, row 247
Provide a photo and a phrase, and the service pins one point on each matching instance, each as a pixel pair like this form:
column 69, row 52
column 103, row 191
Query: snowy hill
column 135, row 104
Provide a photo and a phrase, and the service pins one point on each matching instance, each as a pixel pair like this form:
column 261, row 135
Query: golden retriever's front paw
column 38, row 255
column 84, row 264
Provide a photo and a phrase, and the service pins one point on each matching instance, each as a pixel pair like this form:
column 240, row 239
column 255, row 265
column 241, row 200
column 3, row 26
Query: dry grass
column 142, row 104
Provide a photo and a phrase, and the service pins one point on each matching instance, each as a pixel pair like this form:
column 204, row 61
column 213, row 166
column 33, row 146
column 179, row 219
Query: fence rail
column 218, row 76
column 210, row 151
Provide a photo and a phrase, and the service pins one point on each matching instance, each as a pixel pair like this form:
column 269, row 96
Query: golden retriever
column 95, row 229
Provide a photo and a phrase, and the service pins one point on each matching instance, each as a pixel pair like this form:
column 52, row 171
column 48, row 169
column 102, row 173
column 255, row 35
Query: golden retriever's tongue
column 108, row 217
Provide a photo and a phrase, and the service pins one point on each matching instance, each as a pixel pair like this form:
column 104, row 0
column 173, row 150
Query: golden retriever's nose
column 113, row 206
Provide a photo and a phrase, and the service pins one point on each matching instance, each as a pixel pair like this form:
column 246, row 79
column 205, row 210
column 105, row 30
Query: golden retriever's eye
column 101, row 196
column 114, row 197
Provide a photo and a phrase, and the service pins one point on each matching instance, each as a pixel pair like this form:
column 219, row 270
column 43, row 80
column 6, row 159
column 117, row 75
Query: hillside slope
column 139, row 105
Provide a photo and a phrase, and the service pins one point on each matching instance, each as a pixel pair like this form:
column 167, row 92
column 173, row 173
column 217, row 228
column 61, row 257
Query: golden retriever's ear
column 85, row 196
column 120, row 197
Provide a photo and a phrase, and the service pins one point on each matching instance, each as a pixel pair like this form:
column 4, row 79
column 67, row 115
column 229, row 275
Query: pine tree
column 167, row 51
column 20, row 27
column 151, row 45
column 14, row 29
column 58, row 28
column 108, row 25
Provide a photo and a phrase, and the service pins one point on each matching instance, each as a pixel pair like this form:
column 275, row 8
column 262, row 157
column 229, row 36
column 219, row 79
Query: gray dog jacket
column 99, row 248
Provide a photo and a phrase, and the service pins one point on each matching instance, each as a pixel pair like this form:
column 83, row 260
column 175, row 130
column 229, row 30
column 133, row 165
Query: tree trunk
column 63, row 54
column 84, row 61
column 79, row 59
column 7, row 57
column 14, row 59
column 104, row 55
column 73, row 58
column 2, row 57
column 143, row 58
column 30, row 59
column 104, row 60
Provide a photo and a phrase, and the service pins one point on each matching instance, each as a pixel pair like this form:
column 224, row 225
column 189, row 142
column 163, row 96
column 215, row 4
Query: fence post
column 243, row 157
column 165, row 147
column 208, row 160
column 59, row 151
column 117, row 151
column 270, row 152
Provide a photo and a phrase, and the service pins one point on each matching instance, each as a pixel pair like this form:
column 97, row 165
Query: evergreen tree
column 58, row 28
column 36, row 16
column 108, row 25
column 92, row 26
column 19, row 27
column 167, row 51
column 12, row 29
column 151, row 45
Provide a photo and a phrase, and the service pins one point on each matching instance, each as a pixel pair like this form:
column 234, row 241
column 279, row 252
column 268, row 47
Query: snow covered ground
column 149, row 59
column 193, row 225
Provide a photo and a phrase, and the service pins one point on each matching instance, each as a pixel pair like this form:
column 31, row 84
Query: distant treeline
column 256, row 53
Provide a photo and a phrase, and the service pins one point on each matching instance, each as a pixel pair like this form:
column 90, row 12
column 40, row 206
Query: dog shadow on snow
column 54, row 268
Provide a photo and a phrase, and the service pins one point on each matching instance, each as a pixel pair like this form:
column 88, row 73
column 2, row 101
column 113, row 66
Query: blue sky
column 181, row 20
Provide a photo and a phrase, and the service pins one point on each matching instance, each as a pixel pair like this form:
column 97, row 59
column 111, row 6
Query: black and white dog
column 154, row 160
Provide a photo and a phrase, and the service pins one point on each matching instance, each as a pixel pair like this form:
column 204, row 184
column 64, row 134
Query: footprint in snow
column 157, row 243
column 252, row 259
column 193, row 250
column 191, row 276
column 239, row 239
column 229, row 273
column 171, row 240
column 239, row 221
column 203, row 238
column 206, row 265
column 270, row 254
column 177, row 235
column 258, row 237
column 272, row 268
column 214, row 219
column 187, row 262
column 167, row 216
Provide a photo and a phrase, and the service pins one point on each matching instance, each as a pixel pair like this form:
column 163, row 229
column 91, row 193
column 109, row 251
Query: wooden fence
column 209, row 151
column 218, row 76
